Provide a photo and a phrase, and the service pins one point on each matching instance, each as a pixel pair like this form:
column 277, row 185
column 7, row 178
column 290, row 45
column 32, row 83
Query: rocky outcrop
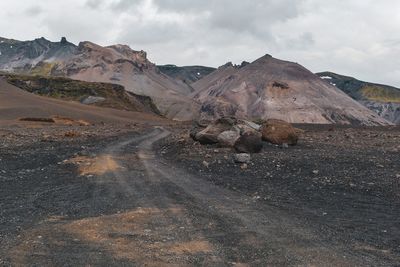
column 241, row 135
column 89, row 93
column 388, row 110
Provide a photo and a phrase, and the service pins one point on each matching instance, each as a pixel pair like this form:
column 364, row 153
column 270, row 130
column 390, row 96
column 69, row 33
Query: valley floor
column 150, row 196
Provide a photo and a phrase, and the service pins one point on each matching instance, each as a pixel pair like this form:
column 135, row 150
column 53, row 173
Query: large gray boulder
column 228, row 138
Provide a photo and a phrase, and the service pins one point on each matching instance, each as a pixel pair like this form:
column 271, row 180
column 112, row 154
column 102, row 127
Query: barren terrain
column 139, row 195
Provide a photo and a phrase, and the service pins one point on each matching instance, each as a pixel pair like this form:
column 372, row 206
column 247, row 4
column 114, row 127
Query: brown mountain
column 16, row 104
column 266, row 88
column 90, row 93
column 116, row 64
column 272, row 88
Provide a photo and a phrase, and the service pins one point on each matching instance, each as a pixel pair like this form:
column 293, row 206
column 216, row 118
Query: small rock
column 243, row 166
column 92, row 100
column 284, row 145
column 398, row 175
column 315, row 172
column 206, row 164
column 242, row 158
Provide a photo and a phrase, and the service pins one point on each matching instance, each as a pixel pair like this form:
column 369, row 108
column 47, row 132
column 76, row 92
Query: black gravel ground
column 332, row 200
column 343, row 182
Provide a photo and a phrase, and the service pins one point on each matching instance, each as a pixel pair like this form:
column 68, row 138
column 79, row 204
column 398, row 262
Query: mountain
column 265, row 88
column 117, row 64
column 89, row 93
column 382, row 99
column 16, row 104
column 272, row 88
column 187, row 74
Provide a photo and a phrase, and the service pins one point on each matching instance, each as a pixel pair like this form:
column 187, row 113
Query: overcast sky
column 355, row 37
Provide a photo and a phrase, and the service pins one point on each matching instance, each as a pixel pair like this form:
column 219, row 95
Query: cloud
column 34, row 10
column 354, row 37
column 94, row 4
column 124, row 5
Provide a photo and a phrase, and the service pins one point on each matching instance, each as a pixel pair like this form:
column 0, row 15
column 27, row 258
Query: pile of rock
column 244, row 136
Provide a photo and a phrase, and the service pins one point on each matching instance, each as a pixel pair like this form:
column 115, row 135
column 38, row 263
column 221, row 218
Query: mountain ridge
column 265, row 88
column 90, row 62
column 273, row 88
column 380, row 98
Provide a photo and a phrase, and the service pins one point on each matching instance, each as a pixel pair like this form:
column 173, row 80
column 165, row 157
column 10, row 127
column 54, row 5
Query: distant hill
column 265, row 88
column 16, row 104
column 187, row 74
column 382, row 99
column 273, row 88
column 89, row 93
column 117, row 64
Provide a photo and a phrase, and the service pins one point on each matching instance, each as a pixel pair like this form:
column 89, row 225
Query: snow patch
column 326, row 77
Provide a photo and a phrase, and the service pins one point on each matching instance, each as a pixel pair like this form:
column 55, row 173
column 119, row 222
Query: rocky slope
column 89, row 93
column 187, row 74
column 117, row 64
column 382, row 99
column 16, row 104
column 272, row 88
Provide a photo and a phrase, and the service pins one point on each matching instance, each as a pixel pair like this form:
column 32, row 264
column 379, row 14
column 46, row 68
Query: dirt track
column 135, row 199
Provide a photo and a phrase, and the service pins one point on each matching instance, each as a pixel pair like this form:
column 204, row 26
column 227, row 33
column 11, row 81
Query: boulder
column 279, row 132
column 242, row 158
column 228, row 138
column 210, row 134
column 249, row 142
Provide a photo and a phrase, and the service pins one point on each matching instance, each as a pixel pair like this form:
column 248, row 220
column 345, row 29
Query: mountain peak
column 41, row 40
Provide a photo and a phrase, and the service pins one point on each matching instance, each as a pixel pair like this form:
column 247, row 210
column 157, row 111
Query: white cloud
column 354, row 37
